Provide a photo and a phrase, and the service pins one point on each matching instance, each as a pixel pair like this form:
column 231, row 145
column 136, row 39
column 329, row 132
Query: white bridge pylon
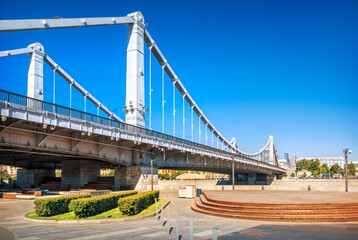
column 135, row 109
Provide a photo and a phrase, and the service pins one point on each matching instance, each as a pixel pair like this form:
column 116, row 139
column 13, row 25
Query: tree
column 304, row 174
column 310, row 165
column 4, row 175
column 335, row 169
column 314, row 165
column 163, row 176
column 285, row 175
column 177, row 173
column 293, row 175
column 302, row 164
column 352, row 169
column 325, row 168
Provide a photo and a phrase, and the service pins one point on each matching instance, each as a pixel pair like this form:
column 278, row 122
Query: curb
column 94, row 221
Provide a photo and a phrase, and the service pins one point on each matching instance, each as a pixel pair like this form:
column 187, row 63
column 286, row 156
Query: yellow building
column 208, row 175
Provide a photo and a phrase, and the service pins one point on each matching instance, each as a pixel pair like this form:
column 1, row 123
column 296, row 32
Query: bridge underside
column 40, row 148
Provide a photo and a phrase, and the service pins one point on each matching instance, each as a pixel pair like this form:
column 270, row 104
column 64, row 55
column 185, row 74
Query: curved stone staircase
column 330, row 212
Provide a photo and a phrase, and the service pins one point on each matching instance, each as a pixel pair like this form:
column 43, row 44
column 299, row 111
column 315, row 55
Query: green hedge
column 53, row 206
column 133, row 205
column 96, row 205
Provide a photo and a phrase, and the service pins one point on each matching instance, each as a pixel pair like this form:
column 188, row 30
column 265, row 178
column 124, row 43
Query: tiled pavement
column 11, row 212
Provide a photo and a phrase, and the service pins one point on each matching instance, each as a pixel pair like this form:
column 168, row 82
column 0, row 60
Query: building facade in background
column 294, row 160
column 282, row 163
column 287, row 157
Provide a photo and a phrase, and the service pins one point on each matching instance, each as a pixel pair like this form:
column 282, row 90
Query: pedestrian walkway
column 12, row 210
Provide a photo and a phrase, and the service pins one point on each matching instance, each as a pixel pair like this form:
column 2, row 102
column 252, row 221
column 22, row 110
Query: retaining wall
column 325, row 185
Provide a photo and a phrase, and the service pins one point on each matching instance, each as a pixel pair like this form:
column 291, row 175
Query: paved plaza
column 12, row 210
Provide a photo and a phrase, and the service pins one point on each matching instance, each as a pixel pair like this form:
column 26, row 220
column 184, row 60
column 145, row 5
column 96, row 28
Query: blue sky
column 256, row 68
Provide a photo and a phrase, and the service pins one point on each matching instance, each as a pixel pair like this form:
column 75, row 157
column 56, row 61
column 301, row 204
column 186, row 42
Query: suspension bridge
column 41, row 136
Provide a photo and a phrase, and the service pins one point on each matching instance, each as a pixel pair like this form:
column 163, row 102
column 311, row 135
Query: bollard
column 177, row 225
column 191, row 228
column 161, row 214
column 263, row 188
column 156, row 209
column 215, row 234
column 168, row 221
column 309, row 187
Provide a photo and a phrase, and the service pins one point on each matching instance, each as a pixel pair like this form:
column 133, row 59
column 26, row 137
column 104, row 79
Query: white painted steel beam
column 14, row 52
column 39, row 24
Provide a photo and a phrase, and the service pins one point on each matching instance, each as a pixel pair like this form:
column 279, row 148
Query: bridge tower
column 135, row 106
column 35, row 74
column 271, row 151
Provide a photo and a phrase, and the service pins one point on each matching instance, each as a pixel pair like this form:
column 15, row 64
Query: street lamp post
column 346, row 151
column 151, row 173
column 233, row 173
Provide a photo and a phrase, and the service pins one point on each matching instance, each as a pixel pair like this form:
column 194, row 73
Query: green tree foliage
column 302, row 164
column 336, row 169
column 304, row 174
column 177, row 173
column 325, row 168
column 163, row 176
column 351, row 169
column 310, row 165
column 4, row 175
column 172, row 176
column 293, row 175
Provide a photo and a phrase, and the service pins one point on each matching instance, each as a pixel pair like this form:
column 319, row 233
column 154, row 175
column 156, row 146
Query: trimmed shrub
column 133, row 205
column 53, row 206
column 96, row 205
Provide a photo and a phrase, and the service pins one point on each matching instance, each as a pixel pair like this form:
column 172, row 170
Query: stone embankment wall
column 325, row 185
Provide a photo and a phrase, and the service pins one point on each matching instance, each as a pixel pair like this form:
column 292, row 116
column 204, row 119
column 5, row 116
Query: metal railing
column 65, row 111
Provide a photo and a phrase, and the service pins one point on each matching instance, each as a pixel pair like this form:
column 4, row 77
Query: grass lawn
column 115, row 213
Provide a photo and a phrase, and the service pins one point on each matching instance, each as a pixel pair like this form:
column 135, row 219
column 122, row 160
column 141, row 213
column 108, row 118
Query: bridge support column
column 135, row 108
column 77, row 173
column 251, row 178
column 35, row 74
column 27, row 178
column 134, row 177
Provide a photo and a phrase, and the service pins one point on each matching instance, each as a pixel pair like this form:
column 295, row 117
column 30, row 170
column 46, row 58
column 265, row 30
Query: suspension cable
column 212, row 139
column 206, row 134
column 183, row 116
column 163, row 99
column 174, row 109
column 199, row 131
column 150, row 88
column 54, row 85
column 70, row 95
column 192, row 125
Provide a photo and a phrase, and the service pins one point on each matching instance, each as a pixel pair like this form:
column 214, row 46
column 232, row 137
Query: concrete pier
column 76, row 173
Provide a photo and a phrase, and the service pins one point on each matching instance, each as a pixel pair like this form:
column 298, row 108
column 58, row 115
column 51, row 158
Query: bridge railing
column 65, row 111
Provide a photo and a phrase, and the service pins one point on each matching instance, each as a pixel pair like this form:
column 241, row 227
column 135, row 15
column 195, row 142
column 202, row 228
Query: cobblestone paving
column 11, row 212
